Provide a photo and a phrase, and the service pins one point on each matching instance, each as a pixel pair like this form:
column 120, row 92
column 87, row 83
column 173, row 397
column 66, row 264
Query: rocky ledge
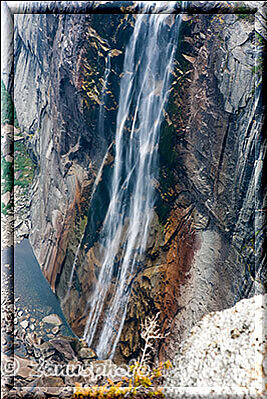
column 225, row 354
column 38, row 365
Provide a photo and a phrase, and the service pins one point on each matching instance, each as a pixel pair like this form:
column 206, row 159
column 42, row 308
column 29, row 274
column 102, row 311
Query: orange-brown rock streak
column 179, row 259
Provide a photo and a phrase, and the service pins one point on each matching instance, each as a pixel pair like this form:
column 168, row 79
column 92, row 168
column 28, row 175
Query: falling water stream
column 101, row 129
column 144, row 88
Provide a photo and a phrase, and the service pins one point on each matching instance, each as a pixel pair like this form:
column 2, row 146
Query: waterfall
column 101, row 129
column 144, row 90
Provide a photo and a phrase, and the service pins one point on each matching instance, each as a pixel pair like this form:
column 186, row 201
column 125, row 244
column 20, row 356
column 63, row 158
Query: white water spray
column 143, row 93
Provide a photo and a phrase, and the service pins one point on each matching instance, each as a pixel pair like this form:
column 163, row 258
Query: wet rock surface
column 201, row 250
column 201, row 255
column 62, row 122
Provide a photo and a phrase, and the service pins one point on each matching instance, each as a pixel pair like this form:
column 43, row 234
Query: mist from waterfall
column 144, row 88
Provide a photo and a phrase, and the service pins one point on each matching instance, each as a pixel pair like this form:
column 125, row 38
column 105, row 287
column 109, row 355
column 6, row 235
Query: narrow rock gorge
column 204, row 250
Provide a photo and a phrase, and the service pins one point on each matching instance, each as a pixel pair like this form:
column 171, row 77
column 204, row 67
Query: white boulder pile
column 224, row 356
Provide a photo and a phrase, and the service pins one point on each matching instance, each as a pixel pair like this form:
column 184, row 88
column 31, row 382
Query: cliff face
column 210, row 186
column 60, row 63
column 203, row 249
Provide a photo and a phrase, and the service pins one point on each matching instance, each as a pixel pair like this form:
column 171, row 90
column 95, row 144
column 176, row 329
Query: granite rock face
column 211, row 360
column 203, row 256
column 219, row 151
column 58, row 95
column 204, row 246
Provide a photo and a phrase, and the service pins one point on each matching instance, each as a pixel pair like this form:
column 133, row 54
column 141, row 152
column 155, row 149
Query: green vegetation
column 167, row 151
column 20, row 171
column 7, row 175
column 241, row 9
column 243, row 12
column 8, row 113
column 247, row 17
column 257, row 68
column 6, row 183
column 259, row 39
column 141, row 381
column 259, row 64
column 23, row 166
column 6, row 208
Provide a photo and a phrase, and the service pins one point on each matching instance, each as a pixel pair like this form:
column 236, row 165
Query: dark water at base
column 32, row 289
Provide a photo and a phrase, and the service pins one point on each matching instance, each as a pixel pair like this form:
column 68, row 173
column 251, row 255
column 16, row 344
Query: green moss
column 260, row 40
column 6, row 208
column 83, row 223
column 7, row 176
column 8, row 112
column 166, row 147
column 23, row 165
column 163, row 211
column 247, row 17
column 241, row 9
column 258, row 67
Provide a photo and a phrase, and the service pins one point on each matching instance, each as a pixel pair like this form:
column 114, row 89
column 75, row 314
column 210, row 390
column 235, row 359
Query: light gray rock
column 225, row 352
column 24, row 324
column 235, row 73
column 52, row 319
column 55, row 330
column 6, row 45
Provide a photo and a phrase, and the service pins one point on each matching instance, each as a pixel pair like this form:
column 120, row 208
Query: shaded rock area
column 63, row 89
column 36, row 365
column 41, row 357
column 204, row 250
column 37, row 306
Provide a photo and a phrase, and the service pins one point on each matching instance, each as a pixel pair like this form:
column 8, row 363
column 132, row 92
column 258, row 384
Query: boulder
column 63, row 347
column 52, row 319
column 24, row 324
column 87, row 353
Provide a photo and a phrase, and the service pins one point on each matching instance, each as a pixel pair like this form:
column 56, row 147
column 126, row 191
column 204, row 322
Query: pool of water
column 32, row 288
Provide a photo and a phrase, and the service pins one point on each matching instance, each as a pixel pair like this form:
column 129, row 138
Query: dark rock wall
column 59, row 64
column 201, row 251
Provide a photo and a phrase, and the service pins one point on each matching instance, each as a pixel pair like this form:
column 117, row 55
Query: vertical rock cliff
column 204, row 247
column 60, row 63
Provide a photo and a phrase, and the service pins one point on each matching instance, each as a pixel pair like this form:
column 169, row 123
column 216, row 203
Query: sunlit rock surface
column 224, row 355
